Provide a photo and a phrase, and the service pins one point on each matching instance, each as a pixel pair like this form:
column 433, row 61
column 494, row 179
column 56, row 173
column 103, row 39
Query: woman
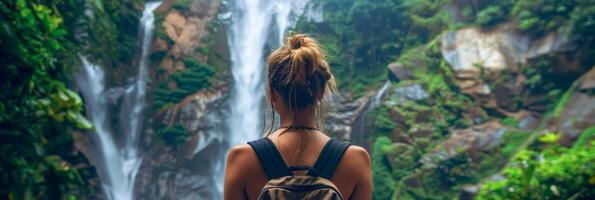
column 298, row 77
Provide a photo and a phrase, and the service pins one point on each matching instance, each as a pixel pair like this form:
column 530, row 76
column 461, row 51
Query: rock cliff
column 187, row 33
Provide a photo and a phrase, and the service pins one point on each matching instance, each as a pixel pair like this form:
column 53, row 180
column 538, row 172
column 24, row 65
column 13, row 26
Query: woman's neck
column 301, row 118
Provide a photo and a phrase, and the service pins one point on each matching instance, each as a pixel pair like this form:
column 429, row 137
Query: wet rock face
column 399, row 72
column 189, row 171
column 578, row 113
column 473, row 139
column 497, row 49
column 344, row 115
column 185, row 32
column 411, row 92
column 471, row 50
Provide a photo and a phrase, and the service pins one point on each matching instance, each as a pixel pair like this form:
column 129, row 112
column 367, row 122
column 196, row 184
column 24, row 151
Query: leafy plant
column 195, row 77
column 37, row 110
column 173, row 136
column 381, row 169
column 533, row 175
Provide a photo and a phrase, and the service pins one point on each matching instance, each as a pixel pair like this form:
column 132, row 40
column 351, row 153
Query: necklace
column 300, row 127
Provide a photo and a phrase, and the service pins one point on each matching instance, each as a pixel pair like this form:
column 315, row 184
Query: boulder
column 400, row 95
column 412, row 92
column 578, row 113
column 499, row 48
column 473, row 51
column 475, row 138
column 187, row 172
column 399, row 72
column 507, row 95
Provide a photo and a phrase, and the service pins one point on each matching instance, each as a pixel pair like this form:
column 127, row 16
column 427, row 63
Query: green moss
column 382, row 121
column 383, row 181
column 512, row 140
column 510, row 122
column 558, row 174
column 491, row 16
column 182, row 5
column 174, row 136
column 195, row 77
column 586, row 136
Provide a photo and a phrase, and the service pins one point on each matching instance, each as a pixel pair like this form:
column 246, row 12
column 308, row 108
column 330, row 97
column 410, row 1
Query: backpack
column 283, row 184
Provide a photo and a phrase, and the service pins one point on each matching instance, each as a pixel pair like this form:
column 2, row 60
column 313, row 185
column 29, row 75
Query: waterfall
column 118, row 164
column 359, row 134
column 249, row 28
column 248, row 34
column 378, row 96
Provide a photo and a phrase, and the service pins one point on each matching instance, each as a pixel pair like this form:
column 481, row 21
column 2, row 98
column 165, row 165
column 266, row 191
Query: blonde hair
column 299, row 73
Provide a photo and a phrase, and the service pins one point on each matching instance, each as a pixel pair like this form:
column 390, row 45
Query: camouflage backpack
column 284, row 185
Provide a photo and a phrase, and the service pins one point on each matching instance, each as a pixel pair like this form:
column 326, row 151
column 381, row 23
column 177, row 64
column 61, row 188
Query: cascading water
column 359, row 128
column 250, row 24
column 118, row 166
column 249, row 28
column 378, row 97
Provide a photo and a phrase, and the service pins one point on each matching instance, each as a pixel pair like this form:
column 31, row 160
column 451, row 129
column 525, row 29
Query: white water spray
column 118, row 166
column 250, row 24
column 376, row 100
column 251, row 21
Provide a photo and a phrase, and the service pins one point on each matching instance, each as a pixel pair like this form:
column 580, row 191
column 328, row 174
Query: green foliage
column 112, row 27
column 555, row 173
column 541, row 15
column 408, row 29
column 587, row 136
column 37, row 110
column 195, row 77
column 182, row 5
column 382, row 121
column 543, row 80
column 63, row 105
column 512, row 140
column 510, row 122
column 429, row 18
column 549, row 138
column 173, row 135
column 455, row 170
column 436, row 77
column 357, row 48
column 490, row 16
column 384, row 183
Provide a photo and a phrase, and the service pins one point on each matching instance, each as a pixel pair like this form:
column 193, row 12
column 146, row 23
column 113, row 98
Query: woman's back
column 298, row 79
column 352, row 175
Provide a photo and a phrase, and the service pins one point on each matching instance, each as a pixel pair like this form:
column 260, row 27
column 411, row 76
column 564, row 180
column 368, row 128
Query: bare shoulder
column 242, row 163
column 357, row 154
column 240, row 154
column 353, row 175
column 355, row 160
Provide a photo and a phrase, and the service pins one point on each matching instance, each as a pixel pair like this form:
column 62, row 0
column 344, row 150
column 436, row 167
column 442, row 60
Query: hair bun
column 297, row 41
column 299, row 72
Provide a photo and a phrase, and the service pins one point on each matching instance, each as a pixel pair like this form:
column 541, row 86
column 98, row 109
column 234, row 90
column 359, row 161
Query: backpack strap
column 329, row 158
column 270, row 158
